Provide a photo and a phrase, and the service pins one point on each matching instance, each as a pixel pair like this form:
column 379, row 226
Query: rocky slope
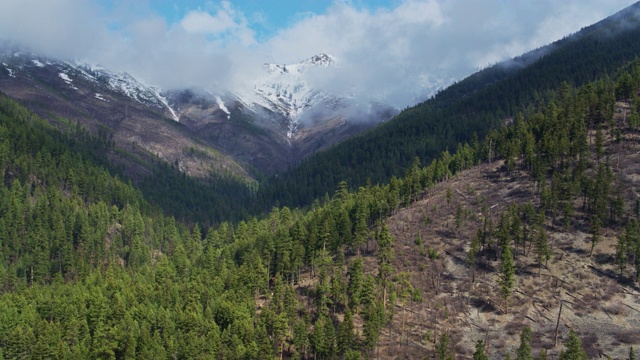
column 282, row 118
column 432, row 247
column 266, row 128
column 137, row 115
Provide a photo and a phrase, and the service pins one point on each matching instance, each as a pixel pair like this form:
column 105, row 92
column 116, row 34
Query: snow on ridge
column 37, row 63
column 67, row 79
column 223, row 107
column 101, row 97
column 284, row 89
column 9, row 70
column 128, row 85
column 164, row 102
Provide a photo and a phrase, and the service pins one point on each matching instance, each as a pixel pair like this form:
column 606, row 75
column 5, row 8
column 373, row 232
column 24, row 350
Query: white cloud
column 202, row 22
column 399, row 54
column 56, row 27
column 225, row 24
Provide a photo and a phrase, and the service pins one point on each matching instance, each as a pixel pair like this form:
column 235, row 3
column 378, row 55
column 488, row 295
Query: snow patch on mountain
column 37, row 63
column 164, row 102
column 285, row 89
column 9, row 70
column 223, row 107
column 67, row 79
column 127, row 85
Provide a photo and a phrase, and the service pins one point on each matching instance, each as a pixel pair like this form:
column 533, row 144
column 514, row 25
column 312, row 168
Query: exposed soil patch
column 600, row 305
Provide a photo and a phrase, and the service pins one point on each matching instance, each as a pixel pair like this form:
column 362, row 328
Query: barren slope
column 602, row 307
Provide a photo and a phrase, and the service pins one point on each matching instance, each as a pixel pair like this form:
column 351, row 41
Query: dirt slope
column 602, row 307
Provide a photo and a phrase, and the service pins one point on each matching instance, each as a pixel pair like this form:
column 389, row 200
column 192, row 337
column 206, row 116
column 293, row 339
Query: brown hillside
column 602, row 307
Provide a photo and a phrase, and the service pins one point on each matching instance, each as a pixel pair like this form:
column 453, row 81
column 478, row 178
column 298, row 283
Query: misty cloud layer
column 398, row 55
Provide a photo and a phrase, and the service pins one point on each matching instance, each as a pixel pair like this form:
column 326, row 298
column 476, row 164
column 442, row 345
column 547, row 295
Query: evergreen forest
column 93, row 265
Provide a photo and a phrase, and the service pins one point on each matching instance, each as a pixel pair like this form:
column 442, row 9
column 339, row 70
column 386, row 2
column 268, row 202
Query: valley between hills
column 499, row 219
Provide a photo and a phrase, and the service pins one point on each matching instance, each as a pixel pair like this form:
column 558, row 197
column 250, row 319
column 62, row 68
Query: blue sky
column 265, row 17
column 399, row 51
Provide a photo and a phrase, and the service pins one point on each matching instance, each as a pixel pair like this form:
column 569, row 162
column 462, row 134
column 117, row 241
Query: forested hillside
column 500, row 218
column 91, row 270
column 462, row 112
column 540, row 240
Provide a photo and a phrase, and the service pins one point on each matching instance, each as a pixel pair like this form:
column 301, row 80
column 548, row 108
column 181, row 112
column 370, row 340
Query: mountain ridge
column 255, row 135
column 474, row 105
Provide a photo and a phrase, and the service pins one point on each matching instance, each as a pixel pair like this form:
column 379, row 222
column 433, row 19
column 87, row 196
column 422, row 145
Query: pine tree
column 542, row 355
column 19, row 343
column 574, row 350
column 507, row 275
column 524, row 351
column 474, row 248
column 405, row 292
column 280, row 331
column 385, row 258
column 479, row 353
column 320, row 341
column 346, row 338
column 543, row 252
column 356, row 280
column 442, row 349
column 361, row 228
column 300, row 337
column 631, row 241
column 373, row 315
column 621, row 253
column 352, row 354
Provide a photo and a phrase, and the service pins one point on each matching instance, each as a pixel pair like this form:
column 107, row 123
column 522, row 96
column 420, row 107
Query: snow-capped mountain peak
column 320, row 60
column 285, row 89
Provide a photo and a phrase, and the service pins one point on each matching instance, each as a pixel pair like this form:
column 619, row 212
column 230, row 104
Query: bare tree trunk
column 384, row 298
column 403, row 317
column 555, row 342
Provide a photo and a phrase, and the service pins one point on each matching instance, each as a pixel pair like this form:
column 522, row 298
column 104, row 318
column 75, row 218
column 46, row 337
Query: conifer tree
column 507, row 275
column 474, row 248
column 573, row 348
column 385, row 258
column 621, row 253
column 361, row 229
column 280, row 331
column 352, row 354
column 480, row 349
column 356, row 279
column 543, row 252
column 300, row 337
column 524, row 350
column 442, row 349
column 373, row 315
column 346, row 338
column 542, row 355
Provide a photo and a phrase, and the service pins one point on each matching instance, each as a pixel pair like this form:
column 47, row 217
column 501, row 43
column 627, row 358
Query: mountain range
column 253, row 132
column 498, row 219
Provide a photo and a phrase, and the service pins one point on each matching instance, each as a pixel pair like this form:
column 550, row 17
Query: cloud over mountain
column 400, row 54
